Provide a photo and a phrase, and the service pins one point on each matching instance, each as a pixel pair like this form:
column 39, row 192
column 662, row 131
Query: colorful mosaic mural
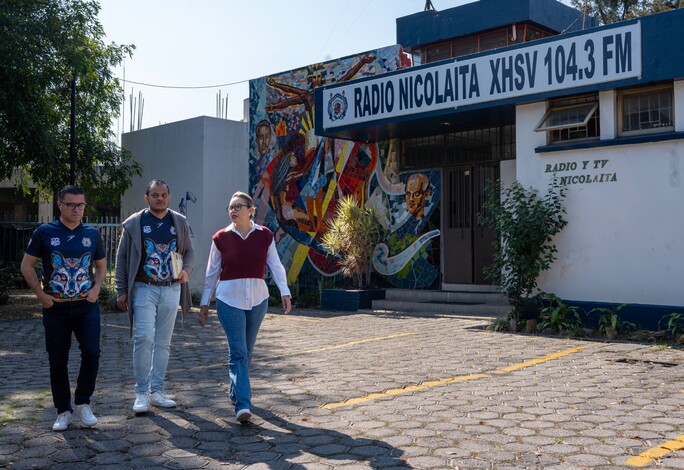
column 296, row 177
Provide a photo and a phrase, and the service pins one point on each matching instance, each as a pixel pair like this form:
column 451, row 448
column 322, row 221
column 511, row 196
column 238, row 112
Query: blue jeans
column 241, row 327
column 154, row 316
column 82, row 318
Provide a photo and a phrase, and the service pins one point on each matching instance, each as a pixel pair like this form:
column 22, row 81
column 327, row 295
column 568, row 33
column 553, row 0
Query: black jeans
column 82, row 318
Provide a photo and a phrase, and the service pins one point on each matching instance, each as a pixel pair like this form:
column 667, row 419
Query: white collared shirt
column 243, row 293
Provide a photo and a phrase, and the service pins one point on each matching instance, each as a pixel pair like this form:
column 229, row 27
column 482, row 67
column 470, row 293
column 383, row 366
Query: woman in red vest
column 237, row 259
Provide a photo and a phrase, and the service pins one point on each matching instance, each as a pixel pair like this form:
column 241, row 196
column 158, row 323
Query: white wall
column 624, row 241
column 205, row 156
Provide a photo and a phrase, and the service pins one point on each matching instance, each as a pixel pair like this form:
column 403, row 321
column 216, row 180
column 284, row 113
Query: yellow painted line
column 540, row 360
column 399, row 391
column 437, row 383
column 339, row 346
column 290, row 317
column 656, row 452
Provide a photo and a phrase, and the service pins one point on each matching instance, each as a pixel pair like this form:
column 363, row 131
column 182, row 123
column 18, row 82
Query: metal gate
column 468, row 245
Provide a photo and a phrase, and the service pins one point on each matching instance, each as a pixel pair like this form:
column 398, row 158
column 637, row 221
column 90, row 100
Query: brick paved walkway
column 353, row 391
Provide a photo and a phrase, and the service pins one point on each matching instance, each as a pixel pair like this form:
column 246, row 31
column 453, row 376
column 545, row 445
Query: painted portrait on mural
column 417, row 190
column 296, row 178
column 409, row 256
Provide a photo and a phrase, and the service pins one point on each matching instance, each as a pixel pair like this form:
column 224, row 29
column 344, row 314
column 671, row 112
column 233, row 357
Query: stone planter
column 611, row 333
column 350, row 300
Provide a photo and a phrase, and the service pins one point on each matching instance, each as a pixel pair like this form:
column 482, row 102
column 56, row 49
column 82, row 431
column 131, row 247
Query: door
column 458, row 226
column 468, row 245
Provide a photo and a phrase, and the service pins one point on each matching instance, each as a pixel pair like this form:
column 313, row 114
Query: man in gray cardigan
column 150, row 289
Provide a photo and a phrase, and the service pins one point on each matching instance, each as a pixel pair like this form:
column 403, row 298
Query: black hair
column 156, row 183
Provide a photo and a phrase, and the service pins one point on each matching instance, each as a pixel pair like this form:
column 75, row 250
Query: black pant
column 82, row 318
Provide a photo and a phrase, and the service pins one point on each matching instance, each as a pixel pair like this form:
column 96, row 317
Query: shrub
column 610, row 318
column 352, row 235
column 107, row 298
column 560, row 317
column 674, row 324
column 525, row 224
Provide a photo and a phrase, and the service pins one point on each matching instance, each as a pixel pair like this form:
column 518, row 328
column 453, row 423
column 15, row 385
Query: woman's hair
column 247, row 198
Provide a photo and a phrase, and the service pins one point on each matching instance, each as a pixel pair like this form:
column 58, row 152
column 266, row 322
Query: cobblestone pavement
column 358, row 391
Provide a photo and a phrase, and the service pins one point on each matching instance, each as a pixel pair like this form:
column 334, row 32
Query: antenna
column 221, row 106
column 136, row 105
column 570, row 25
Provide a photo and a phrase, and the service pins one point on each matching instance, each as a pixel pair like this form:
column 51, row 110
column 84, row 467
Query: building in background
column 521, row 90
column 204, row 161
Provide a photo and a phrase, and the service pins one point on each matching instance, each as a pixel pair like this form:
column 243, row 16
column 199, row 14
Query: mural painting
column 296, row 178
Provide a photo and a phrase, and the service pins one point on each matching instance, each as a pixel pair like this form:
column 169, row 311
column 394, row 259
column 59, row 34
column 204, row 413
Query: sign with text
column 567, row 62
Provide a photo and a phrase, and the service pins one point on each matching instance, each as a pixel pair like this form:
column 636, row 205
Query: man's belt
column 157, row 283
column 73, row 299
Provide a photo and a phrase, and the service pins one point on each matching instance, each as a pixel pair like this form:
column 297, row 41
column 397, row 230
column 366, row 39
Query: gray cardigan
column 130, row 253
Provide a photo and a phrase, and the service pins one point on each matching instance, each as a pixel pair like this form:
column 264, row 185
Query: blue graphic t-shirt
column 68, row 258
column 159, row 241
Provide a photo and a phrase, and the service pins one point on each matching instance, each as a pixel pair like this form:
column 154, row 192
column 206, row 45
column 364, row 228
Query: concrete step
column 445, row 297
column 453, row 308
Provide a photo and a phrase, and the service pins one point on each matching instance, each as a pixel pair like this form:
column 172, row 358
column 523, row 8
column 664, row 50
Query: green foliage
column 525, row 224
column 107, row 298
column 352, row 235
column 610, row 318
column 308, row 299
column 44, row 44
column 611, row 11
column 196, row 296
column 498, row 324
column 10, row 276
column 674, row 324
column 560, row 317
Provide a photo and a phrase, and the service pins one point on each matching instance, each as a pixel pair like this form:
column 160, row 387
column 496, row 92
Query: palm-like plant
column 352, row 235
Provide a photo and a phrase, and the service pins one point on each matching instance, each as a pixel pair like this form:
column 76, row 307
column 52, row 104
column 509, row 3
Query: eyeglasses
column 236, row 207
column 74, row 206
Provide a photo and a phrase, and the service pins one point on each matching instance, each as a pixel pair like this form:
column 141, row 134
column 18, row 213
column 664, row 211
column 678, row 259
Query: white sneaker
column 85, row 414
column 159, row 399
column 142, row 402
column 244, row 415
column 62, row 421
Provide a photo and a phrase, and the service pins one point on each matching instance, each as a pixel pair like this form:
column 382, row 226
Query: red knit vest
column 243, row 259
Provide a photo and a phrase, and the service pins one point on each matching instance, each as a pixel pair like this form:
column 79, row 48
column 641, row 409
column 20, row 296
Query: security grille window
column 646, row 110
column 439, row 52
column 571, row 119
column 466, row 45
column 490, row 144
column 478, row 42
column 493, row 40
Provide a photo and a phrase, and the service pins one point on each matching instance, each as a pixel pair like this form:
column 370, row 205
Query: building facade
column 204, row 161
column 517, row 90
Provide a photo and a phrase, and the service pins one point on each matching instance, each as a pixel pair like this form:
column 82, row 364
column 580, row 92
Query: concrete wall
column 623, row 241
column 204, row 160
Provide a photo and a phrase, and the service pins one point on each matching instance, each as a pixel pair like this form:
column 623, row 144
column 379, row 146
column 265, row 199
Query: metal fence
column 14, row 237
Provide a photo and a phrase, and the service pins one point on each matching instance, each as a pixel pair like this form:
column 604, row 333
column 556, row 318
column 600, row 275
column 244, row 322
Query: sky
column 203, row 43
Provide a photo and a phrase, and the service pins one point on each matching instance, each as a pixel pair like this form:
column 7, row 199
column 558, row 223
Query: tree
column 611, row 11
column 44, row 45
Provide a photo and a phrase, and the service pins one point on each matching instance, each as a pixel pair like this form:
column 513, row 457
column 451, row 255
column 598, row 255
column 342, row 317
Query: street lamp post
column 72, row 132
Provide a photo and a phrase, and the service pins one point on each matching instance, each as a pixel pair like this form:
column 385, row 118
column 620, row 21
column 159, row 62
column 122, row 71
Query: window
column 466, row 45
column 571, row 119
column 438, row 52
column 493, row 40
column 646, row 110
